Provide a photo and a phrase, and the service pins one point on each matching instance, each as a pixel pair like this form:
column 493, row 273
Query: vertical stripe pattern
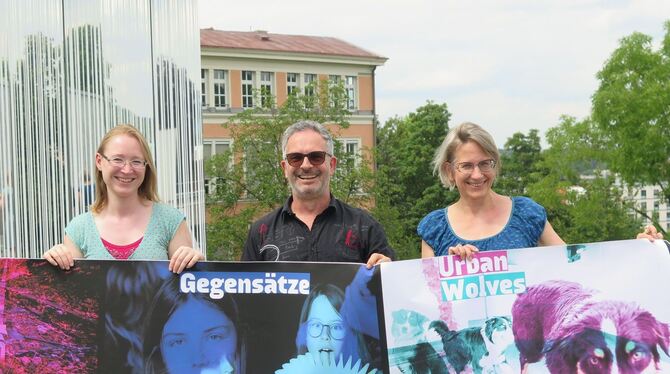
column 69, row 71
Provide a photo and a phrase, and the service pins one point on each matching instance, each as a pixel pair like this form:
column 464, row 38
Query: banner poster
column 136, row 317
column 588, row 308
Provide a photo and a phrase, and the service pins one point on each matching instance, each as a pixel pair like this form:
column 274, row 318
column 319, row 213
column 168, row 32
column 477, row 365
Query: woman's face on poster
column 199, row 338
column 325, row 331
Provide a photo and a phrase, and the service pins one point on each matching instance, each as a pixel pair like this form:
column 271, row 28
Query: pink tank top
column 121, row 252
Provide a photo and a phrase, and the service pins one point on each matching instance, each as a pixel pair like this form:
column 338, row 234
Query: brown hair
column 148, row 188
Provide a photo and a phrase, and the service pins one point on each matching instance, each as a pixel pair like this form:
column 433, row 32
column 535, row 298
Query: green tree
column 247, row 178
column 631, row 107
column 405, row 187
column 581, row 209
column 519, row 159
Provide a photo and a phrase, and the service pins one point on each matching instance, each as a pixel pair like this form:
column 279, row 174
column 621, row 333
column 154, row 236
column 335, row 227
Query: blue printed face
column 325, row 330
column 199, row 338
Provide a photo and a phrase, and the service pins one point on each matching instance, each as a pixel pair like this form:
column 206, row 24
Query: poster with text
column 136, row 317
column 587, row 308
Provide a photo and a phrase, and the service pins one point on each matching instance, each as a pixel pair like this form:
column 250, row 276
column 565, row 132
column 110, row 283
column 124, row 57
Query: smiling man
column 313, row 225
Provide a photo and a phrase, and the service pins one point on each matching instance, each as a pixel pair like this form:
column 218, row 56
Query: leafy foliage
column 581, row 210
column 518, row 163
column 632, row 106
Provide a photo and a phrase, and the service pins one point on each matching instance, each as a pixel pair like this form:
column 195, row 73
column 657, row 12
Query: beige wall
column 363, row 132
column 235, row 89
column 214, row 131
column 280, row 87
column 365, row 92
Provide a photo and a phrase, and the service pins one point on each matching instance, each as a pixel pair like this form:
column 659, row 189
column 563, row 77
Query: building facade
column 234, row 65
column 650, row 199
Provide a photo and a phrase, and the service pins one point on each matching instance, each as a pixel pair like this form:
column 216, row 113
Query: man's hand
column 375, row 259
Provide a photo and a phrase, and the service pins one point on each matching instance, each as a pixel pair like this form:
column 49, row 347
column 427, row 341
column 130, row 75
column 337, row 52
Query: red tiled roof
column 264, row 41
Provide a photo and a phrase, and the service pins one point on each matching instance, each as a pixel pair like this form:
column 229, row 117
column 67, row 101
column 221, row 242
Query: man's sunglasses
column 315, row 158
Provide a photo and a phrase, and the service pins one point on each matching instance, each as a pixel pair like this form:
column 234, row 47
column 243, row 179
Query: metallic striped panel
column 69, row 71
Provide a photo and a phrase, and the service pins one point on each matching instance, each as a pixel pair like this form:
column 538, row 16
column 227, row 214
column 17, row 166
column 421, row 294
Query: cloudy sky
column 508, row 65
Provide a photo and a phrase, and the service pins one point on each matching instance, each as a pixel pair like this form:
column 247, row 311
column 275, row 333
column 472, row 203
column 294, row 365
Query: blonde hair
column 148, row 188
column 459, row 135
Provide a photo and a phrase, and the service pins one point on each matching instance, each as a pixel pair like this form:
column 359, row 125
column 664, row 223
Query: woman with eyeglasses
column 481, row 219
column 324, row 337
column 126, row 220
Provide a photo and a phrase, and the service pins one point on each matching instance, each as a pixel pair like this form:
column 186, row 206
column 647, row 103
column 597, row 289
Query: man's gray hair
column 307, row 125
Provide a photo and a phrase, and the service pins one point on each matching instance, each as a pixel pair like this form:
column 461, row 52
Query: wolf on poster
column 135, row 316
column 588, row 308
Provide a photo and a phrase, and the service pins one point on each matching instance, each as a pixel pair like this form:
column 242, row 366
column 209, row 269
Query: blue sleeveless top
column 523, row 229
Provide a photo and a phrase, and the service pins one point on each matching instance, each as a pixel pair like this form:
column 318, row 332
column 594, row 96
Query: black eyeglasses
column 336, row 330
column 315, row 158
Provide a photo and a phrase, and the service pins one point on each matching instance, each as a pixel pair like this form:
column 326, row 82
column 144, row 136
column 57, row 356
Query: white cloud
column 511, row 65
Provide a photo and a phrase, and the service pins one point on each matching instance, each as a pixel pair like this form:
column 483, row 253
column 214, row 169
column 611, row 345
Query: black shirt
column 341, row 233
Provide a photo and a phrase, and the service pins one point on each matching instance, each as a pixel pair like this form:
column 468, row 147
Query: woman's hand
column 650, row 233
column 184, row 258
column 465, row 251
column 63, row 255
column 59, row 256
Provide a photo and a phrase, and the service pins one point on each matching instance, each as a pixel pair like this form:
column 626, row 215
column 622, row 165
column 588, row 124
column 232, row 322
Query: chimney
column 262, row 35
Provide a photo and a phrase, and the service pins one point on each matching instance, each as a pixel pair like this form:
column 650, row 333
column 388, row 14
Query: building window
column 667, row 215
column 643, row 194
column 643, row 206
column 291, row 83
column 210, row 148
column 219, row 84
column 656, row 205
column 334, row 79
column 203, row 86
column 310, row 81
column 657, row 194
column 266, row 88
column 350, row 87
column 247, row 89
column 352, row 149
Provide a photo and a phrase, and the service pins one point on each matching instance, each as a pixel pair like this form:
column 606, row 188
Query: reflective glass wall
column 69, row 71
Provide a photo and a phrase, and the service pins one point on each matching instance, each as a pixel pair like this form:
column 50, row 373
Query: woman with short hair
column 481, row 219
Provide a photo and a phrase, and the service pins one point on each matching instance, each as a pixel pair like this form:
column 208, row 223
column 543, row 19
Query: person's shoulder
column 80, row 220
column 354, row 211
column 435, row 215
column 269, row 217
column 526, row 206
column 165, row 208
column 79, row 225
column 167, row 217
column 524, row 201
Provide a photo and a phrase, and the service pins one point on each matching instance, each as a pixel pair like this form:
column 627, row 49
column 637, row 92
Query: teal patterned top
column 163, row 224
